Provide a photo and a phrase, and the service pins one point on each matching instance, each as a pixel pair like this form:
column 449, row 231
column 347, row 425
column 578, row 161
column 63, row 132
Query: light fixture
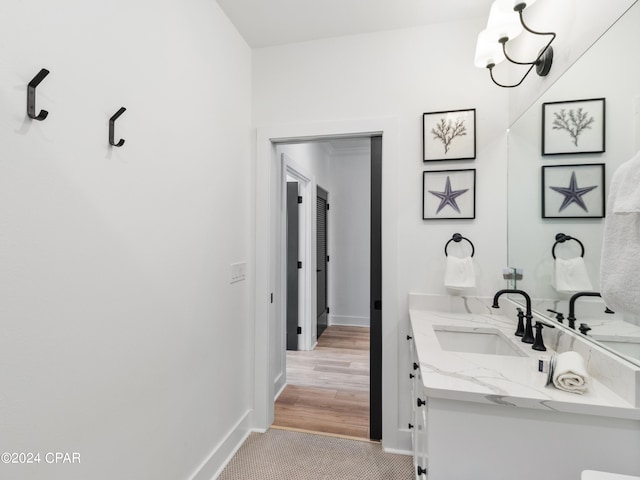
column 505, row 23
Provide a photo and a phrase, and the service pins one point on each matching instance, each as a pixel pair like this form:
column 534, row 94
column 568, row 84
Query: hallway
column 328, row 388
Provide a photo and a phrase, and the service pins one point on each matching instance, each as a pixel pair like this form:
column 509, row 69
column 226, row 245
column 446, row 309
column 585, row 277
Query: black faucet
column 527, row 336
column 538, row 344
column 572, row 306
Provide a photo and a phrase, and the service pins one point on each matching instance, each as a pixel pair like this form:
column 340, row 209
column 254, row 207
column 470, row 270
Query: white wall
column 349, row 232
column 401, row 74
column 120, row 335
column 310, row 158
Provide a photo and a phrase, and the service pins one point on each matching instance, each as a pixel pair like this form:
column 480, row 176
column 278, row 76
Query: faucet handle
column 520, row 328
column 538, row 343
column 584, row 328
column 559, row 315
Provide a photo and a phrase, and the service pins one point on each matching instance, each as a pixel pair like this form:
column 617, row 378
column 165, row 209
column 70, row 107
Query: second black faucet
column 527, row 336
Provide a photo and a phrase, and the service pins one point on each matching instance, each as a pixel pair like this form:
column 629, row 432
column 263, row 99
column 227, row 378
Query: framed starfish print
column 449, row 194
column 573, row 191
column 576, row 126
column 449, row 135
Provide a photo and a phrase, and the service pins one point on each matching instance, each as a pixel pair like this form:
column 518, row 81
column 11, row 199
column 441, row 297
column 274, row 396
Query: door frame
column 267, row 267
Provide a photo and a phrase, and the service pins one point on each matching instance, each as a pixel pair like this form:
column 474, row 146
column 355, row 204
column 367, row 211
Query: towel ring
column 458, row 238
column 561, row 238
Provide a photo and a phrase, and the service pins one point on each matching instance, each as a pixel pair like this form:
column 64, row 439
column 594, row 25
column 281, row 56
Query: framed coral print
column 576, row 126
column 449, row 194
column 573, row 191
column 449, row 135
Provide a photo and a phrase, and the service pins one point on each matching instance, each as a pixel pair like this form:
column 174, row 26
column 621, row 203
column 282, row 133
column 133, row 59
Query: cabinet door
column 419, row 415
column 413, row 374
column 421, row 446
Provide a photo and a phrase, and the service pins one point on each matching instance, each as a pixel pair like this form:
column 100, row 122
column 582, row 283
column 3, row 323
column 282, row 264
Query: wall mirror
column 609, row 71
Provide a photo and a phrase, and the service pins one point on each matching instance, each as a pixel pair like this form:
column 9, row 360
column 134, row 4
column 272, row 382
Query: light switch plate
column 238, row 272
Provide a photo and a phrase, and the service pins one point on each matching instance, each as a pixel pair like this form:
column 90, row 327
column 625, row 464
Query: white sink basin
column 487, row 341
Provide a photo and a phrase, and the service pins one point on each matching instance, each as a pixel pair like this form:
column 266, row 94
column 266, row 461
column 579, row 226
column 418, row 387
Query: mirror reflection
column 566, row 221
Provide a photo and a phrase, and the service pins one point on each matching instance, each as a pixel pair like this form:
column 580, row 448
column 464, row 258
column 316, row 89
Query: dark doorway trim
column 375, row 300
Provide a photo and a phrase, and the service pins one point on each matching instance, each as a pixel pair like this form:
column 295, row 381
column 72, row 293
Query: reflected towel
column 459, row 273
column 620, row 260
column 570, row 373
column 627, row 191
column 571, row 275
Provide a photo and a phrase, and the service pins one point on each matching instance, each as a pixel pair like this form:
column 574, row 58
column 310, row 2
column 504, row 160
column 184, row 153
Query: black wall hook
column 31, row 96
column 112, row 121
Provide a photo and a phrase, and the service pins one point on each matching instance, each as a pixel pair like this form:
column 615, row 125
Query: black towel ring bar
column 31, row 96
column 561, row 238
column 458, row 238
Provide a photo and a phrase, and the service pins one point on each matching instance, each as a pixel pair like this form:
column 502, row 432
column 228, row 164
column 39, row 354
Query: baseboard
column 279, row 384
column 225, row 450
column 349, row 321
column 398, row 452
column 279, row 392
column 402, row 444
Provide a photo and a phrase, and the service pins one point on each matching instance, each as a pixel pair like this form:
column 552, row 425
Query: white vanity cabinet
column 418, row 421
column 493, row 416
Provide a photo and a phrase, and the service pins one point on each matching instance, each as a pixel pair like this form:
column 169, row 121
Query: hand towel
column 570, row 373
column 620, row 259
column 459, row 273
column 570, row 275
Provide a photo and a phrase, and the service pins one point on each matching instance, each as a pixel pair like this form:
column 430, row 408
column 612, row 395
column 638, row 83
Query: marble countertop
column 496, row 379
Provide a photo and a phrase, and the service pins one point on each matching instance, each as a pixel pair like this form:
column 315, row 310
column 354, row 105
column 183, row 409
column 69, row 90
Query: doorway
column 269, row 295
column 338, row 369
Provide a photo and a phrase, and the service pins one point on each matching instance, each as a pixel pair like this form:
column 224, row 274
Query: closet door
column 322, row 260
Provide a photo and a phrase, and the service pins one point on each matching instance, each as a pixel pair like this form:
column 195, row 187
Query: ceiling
column 265, row 23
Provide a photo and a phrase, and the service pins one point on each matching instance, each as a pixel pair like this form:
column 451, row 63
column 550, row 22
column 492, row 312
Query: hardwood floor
column 328, row 388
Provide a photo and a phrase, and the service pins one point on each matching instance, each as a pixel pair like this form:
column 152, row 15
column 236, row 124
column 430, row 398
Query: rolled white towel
column 570, row 373
column 459, row 273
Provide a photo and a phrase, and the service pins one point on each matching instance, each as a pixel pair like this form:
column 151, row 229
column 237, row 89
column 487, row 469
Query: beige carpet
column 289, row 455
